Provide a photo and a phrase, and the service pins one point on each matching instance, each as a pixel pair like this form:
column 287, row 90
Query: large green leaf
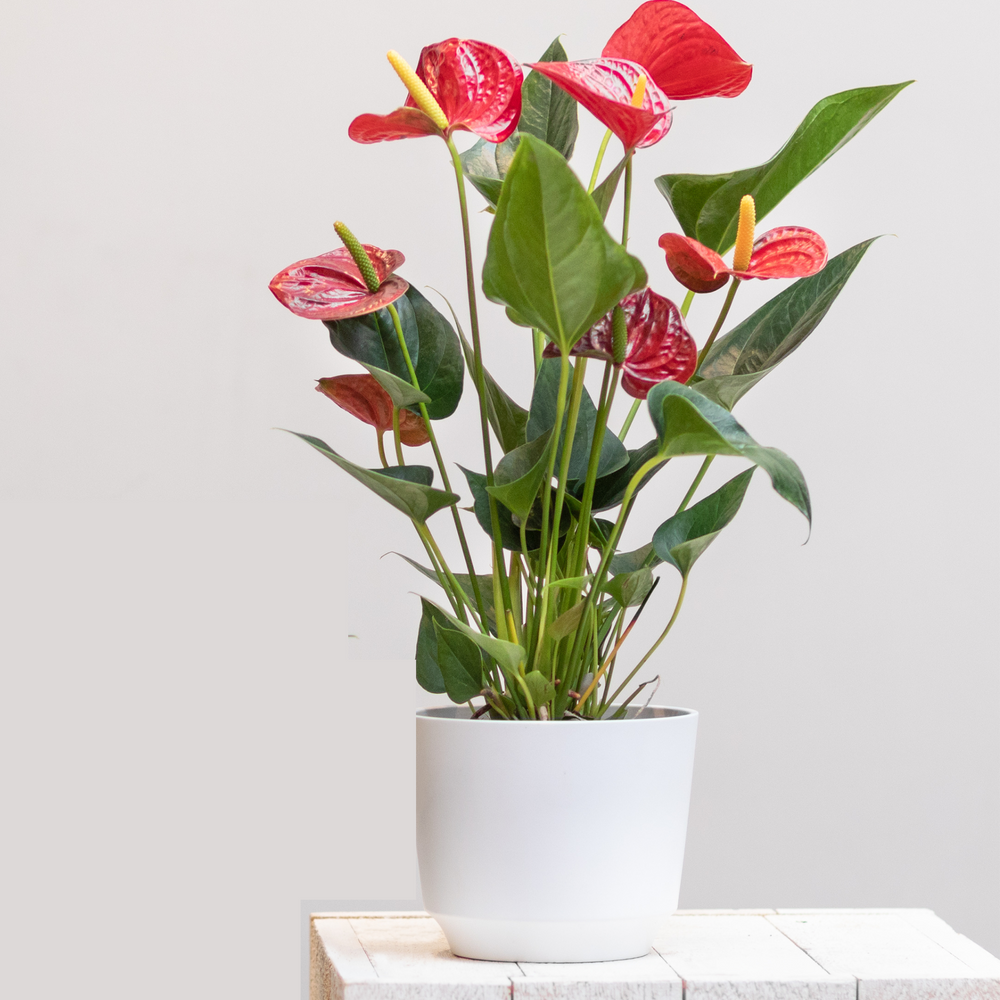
column 509, row 655
column 681, row 539
column 433, row 346
column 707, row 206
column 415, row 499
column 547, row 111
column 630, row 589
column 422, row 474
column 428, row 672
column 630, row 562
column 688, row 423
column 461, row 663
column 550, row 259
column 740, row 359
column 479, row 164
column 542, row 418
column 519, row 474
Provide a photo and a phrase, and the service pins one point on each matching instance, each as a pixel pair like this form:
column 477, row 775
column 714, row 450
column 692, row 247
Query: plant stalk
column 703, row 353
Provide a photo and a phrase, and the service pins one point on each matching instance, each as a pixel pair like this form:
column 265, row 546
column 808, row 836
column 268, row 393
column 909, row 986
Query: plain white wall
column 191, row 742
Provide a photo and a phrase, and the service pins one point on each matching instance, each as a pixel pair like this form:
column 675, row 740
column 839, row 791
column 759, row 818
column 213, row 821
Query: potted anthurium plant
column 550, row 765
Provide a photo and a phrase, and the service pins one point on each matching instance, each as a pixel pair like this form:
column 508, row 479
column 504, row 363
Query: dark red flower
column 786, row 252
column 331, row 287
column 605, row 87
column 682, row 54
column 659, row 344
column 364, row 398
column 476, row 85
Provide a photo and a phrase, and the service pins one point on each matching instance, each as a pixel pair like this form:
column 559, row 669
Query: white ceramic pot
column 552, row 841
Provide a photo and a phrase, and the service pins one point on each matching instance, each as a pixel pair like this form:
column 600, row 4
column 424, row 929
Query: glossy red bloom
column 605, row 87
column 682, row 54
column 659, row 344
column 477, row 85
column 364, row 398
column 331, row 287
column 787, row 252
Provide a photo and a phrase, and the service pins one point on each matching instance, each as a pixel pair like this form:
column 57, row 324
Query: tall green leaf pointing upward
column 550, row 259
column 740, row 359
column 708, row 205
column 547, row 111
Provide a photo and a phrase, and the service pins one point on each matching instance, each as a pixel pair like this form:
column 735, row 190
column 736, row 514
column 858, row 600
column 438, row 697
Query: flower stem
column 442, row 468
column 395, row 436
column 695, row 484
column 480, row 378
column 628, row 199
column 718, row 324
column 381, row 449
column 688, row 299
column 459, row 592
column 655, row 646
column 599, row 161
column 628, row 420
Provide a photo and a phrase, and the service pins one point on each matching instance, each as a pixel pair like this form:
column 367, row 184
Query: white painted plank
column 646, row 978
column 412, row 962
column 976, row 958
column 891, row 958
column 743, row 957
column 337, row 960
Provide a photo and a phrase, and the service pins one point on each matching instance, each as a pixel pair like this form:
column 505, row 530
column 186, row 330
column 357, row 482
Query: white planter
column 552, row 841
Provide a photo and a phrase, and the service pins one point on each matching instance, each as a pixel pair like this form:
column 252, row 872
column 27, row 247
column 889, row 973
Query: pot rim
column 448, row 714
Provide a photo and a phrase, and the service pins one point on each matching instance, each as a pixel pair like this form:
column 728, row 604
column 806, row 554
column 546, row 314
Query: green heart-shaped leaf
column 400, row 392
column 509, row 655
column 550, row 259
column 547, row 111
column 519, row 475
column 461, row 664
column 708, row 206
column 687, row 423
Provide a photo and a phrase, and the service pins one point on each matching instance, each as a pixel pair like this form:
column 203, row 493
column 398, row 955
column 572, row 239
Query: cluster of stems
column 551, row 600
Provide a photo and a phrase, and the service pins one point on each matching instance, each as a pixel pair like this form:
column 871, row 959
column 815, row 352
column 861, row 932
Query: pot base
column 548, row 940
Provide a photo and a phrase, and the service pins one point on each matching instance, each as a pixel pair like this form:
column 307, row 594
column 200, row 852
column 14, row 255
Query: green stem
column 538, row 345
column 459, row 592
column 381, row 449
column 395, row 436
column 688, row 299
column 541, row 600
column 628, row 420
column 598, row 162
column 628, row 199
column 655, row 646
column 442, row 578
column 477, row 351
column 695, row 484
column 442, row 468
column 718, row 324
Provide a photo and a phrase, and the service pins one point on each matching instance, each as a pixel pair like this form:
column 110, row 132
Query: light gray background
column 191, row 743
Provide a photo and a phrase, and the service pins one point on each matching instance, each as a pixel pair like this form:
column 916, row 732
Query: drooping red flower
column 659, row 344
column 364, row 398
column 477, row 86
column 786, row 252
column 605, row 87
column 331, row 287
column 684, row 56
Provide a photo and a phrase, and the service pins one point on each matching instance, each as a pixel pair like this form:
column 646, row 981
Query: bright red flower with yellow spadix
column 683, row 56
column 609, row 90
column 659, row 345
column 459, row 85
column 364, row 398
column 787, row 252
column 331, row 286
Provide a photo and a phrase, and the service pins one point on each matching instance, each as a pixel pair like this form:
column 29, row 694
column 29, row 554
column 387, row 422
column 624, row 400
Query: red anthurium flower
column 787, row 252
column 659, row 345
column 363, row 397
column 476, row 86
column 683, row 55
column 605, row 87
column 331, row 286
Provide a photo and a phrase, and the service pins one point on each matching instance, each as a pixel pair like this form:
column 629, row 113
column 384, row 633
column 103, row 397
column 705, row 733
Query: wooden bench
column 699, row 955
